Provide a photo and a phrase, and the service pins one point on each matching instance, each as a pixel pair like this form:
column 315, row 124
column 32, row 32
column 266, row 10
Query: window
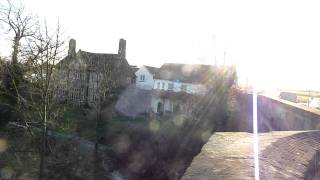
column 158, row 85
column 142, row 77
column 170, row 86
column 76, row 94
column 82, row 76
column 75, row 75
column 184, row 87
column 82, row 93
column 93, row 77
column 163, row 85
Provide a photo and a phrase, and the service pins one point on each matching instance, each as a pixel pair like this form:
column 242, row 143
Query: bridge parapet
column 282, row 155
column 282, row 115
column 274, row 114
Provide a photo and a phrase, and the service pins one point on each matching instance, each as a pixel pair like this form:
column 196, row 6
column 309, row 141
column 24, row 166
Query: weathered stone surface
column 274, row 114
column 229, row 155
column 83, row 78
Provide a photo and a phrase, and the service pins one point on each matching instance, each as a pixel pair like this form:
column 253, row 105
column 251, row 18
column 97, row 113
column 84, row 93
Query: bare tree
column 33, row 64
column 44, row 51
column 20, row 23
column 111, row 78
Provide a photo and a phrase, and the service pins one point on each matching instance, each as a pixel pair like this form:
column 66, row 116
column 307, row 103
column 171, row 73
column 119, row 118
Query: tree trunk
column 43, row 144
column 15, row 50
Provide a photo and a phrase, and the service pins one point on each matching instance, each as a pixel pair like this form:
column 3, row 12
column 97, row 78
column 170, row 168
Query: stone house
column 84, row 77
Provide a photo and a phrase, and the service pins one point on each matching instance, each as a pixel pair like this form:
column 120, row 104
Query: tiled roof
column 95, row 60
column 152, row 70
column 189, row 73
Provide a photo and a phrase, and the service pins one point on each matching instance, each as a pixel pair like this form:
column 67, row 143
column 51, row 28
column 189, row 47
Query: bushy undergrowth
column 150, row 147
column 163, row 146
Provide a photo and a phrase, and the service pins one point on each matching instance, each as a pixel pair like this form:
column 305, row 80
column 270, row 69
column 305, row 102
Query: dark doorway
column 160, row 108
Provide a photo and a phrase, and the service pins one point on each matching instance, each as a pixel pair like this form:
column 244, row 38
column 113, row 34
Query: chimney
column 72, row 48
column 122, row 48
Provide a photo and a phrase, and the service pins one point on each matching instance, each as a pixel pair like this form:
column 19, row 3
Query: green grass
column 120, row 123
column 70, row 120
column 73, row 114
column 75, row 122
column 126, row 121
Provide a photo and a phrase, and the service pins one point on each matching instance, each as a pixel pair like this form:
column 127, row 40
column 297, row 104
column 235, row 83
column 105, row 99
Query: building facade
column 172, row 79
column 84, row 77
column 145, row 77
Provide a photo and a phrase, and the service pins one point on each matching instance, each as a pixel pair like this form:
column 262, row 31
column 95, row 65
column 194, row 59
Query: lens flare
column 3, row 145
column 255, row 135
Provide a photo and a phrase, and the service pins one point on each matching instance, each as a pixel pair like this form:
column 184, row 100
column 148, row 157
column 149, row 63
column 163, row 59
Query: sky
column 274, row 43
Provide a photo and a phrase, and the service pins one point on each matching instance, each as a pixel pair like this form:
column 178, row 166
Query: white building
column 171, row 77
column 315, row 103
column 144, row 77
column 174, row 78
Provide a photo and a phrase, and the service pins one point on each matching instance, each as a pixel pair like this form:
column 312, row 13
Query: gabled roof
column 95, row 60
column 189, row 73
column 152, row 70
column 134, row 68
column 98, row 55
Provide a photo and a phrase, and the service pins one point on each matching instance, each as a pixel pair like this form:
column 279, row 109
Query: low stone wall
column 290, row 151
column 281, row 115
column 274, row 114
column 282, row 155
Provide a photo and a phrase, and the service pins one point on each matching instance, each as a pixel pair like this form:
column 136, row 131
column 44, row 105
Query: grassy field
column 70, row 119
column 118, row 120
column 83, row 123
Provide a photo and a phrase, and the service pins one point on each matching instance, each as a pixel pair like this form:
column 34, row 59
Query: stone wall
column 282, row 155
column 290, row 151
column 274, row 114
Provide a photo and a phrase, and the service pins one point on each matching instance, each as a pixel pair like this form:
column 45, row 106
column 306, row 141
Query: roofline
column 80, row 51
column 182, row 82
column 188, row 64
column 148, row 69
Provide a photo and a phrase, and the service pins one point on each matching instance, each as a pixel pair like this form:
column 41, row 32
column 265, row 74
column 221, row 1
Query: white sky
column 274, row 43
